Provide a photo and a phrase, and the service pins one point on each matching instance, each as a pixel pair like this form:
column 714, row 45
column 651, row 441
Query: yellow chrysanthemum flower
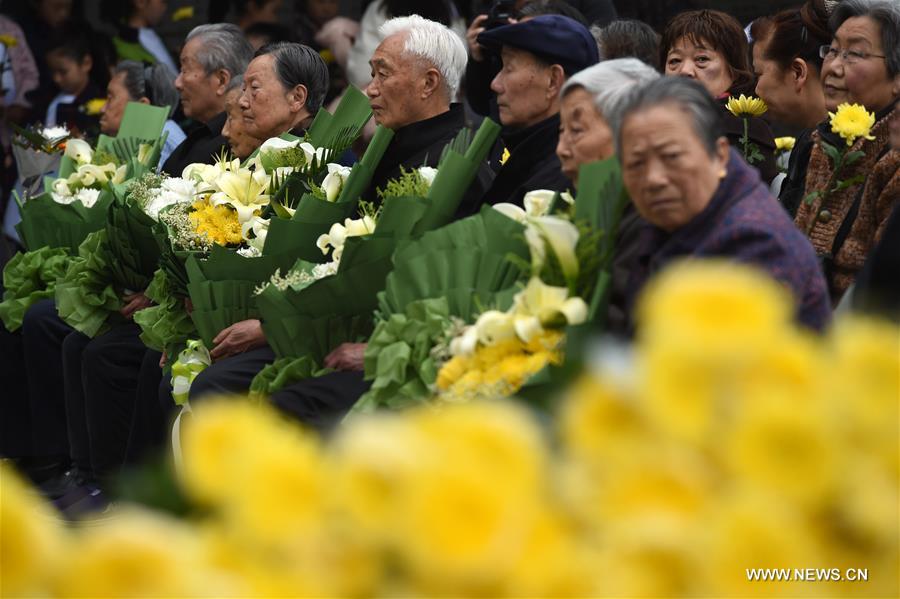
column 852, row 121
column 744, row 106
column 219, row 223
column 785, row 144
column 9, row 41
column 31, row 542
column 93, row 107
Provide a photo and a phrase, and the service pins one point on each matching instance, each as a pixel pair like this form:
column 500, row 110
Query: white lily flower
column 567, row 198
column 428, row 173
column 243, row 190
column 537, row 202
column 540, row 304
column 562, row 236
column 511, row 211
column 527, row 327
column 494, row 326
column 334, row 181
column 79, row 150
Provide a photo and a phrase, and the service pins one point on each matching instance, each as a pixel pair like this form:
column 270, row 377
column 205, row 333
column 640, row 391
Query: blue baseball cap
column 554, row 38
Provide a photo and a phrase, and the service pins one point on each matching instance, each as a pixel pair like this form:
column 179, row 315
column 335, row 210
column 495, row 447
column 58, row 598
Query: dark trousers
column 323, row 401
column 231, row 375
column 110, row 368
column 153, row 412
column 15, row 411
column 76, row 418
column 43, row 333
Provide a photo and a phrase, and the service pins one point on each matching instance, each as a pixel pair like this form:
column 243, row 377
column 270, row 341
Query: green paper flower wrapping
column 28, row 278
column 85, row 298
column 283, row 372
column 399, row 359
column 165, row 327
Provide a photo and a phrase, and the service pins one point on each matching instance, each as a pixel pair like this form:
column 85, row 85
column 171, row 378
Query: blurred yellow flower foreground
column 734, row 442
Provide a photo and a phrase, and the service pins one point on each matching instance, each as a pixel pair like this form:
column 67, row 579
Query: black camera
column 500, row 14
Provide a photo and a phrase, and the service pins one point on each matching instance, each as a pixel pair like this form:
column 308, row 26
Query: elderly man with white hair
column 416, row 72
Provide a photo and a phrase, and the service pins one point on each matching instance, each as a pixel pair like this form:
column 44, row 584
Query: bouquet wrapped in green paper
column 29, row 278
column 314, row 300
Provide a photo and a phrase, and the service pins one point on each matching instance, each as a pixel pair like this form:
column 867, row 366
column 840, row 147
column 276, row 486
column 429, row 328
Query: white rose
column 428, row 173
column 88, row 197
column 334, row 181
column 54, row 133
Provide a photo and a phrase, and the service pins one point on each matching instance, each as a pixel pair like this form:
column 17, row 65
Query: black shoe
column 87, row 501
column 41, row 469
column 66, row 482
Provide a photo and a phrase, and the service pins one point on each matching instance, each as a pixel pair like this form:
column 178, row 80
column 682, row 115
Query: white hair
column 433, row 42
column 609, row 82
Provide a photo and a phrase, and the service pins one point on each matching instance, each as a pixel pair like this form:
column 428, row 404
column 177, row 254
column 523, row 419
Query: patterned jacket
column 871, row 202
column 745, row 223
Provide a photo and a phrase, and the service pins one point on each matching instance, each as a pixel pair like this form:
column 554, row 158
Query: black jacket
column 421, row 144
column 74, row 114
column 532, row 164
column 758, row 132
column 202, row 145
column 793, row 188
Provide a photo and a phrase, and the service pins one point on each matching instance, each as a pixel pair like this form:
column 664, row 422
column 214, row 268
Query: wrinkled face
column 665, row 167
column 242, row 143
column 55, row 12
column 116, row 99
column 395, row 92
column 859, row 81
column 201, row 92
column 700, row 62
column 68, row 74
column 584, row 135
column 776, row 86
column 522, row 88
column 322, row 11
column 265, row 103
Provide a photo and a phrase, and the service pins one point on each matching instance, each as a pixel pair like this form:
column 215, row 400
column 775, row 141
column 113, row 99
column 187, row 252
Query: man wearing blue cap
column 538, row 56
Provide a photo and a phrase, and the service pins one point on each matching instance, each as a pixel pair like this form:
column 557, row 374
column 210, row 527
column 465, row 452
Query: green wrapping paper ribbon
column 49, row 223
column 282, row 373
column 28, row 278
column 165, row 327
column 193, row 360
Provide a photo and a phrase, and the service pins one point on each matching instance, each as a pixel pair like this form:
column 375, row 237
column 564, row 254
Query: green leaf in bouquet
column 49, row 223
column 283, row 373
column 400, row 215
column 311, row 209
column 296, row 238
column 85, row 299
column 28, row 278
column 133, row 243
column 165, row 326
column 351, row 114
column 142, row 121
column 361, row 176
column 601, row 199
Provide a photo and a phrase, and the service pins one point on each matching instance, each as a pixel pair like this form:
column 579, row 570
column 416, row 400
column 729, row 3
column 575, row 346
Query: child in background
column 80, row 79
column 135, row 38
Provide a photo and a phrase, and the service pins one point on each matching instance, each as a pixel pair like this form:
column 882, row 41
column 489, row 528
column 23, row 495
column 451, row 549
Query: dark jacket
column 421, row 144
column 532, row 164
column 74, row 114
column 743, row 222
column 202, row 145
column 878, row 283
column 759, row 134
column 627, row 248
column 793, row 188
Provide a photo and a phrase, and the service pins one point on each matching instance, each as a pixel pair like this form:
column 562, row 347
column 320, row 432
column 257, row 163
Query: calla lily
column 511, row 211
column 312, row 152
column 334, row 181
column 144, row 153
column 494, row 326
column 79, row 150
column 61, row 187
column 466, row 343
column 537, row 202
column 276, row 144
column 338, row 234
column 428, row 173
column 120, row 174
column 567, row 198
column 562, row 236
column 243, row 190
column 540, row 305
column 260, row 228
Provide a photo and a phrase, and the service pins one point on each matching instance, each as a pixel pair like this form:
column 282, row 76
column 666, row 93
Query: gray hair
column 156, row 83
column 884, row 12
column 690, row 97
column 223, row 46
column 434, row 43
column 296, row 64
column 609, row 83
column 627, row 38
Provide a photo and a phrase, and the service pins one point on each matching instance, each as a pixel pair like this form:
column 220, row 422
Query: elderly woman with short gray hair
column 701, row 200
column 860, row 66
column 131, row 81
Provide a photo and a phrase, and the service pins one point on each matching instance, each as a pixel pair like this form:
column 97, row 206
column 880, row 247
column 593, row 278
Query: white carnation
column 54, row 133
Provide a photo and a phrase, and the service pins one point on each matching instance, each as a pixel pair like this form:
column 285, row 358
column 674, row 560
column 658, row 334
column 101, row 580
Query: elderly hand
column 134, row 302
column 237, row 339
column 348, row 356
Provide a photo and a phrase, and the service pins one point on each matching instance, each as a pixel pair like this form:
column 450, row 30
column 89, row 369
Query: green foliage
column 410, row 183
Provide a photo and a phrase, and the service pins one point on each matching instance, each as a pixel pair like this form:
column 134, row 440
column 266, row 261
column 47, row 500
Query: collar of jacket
column 421, row 134
column 514, row 138
column 217, row 123
column 740, row 181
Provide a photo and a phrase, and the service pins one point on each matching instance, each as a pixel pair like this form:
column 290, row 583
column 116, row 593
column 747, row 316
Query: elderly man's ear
column 297, row 98
column 557, row 77
column 431, row 83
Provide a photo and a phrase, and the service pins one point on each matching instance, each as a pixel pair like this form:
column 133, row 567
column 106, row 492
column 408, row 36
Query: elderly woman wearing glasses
column 860, row 66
